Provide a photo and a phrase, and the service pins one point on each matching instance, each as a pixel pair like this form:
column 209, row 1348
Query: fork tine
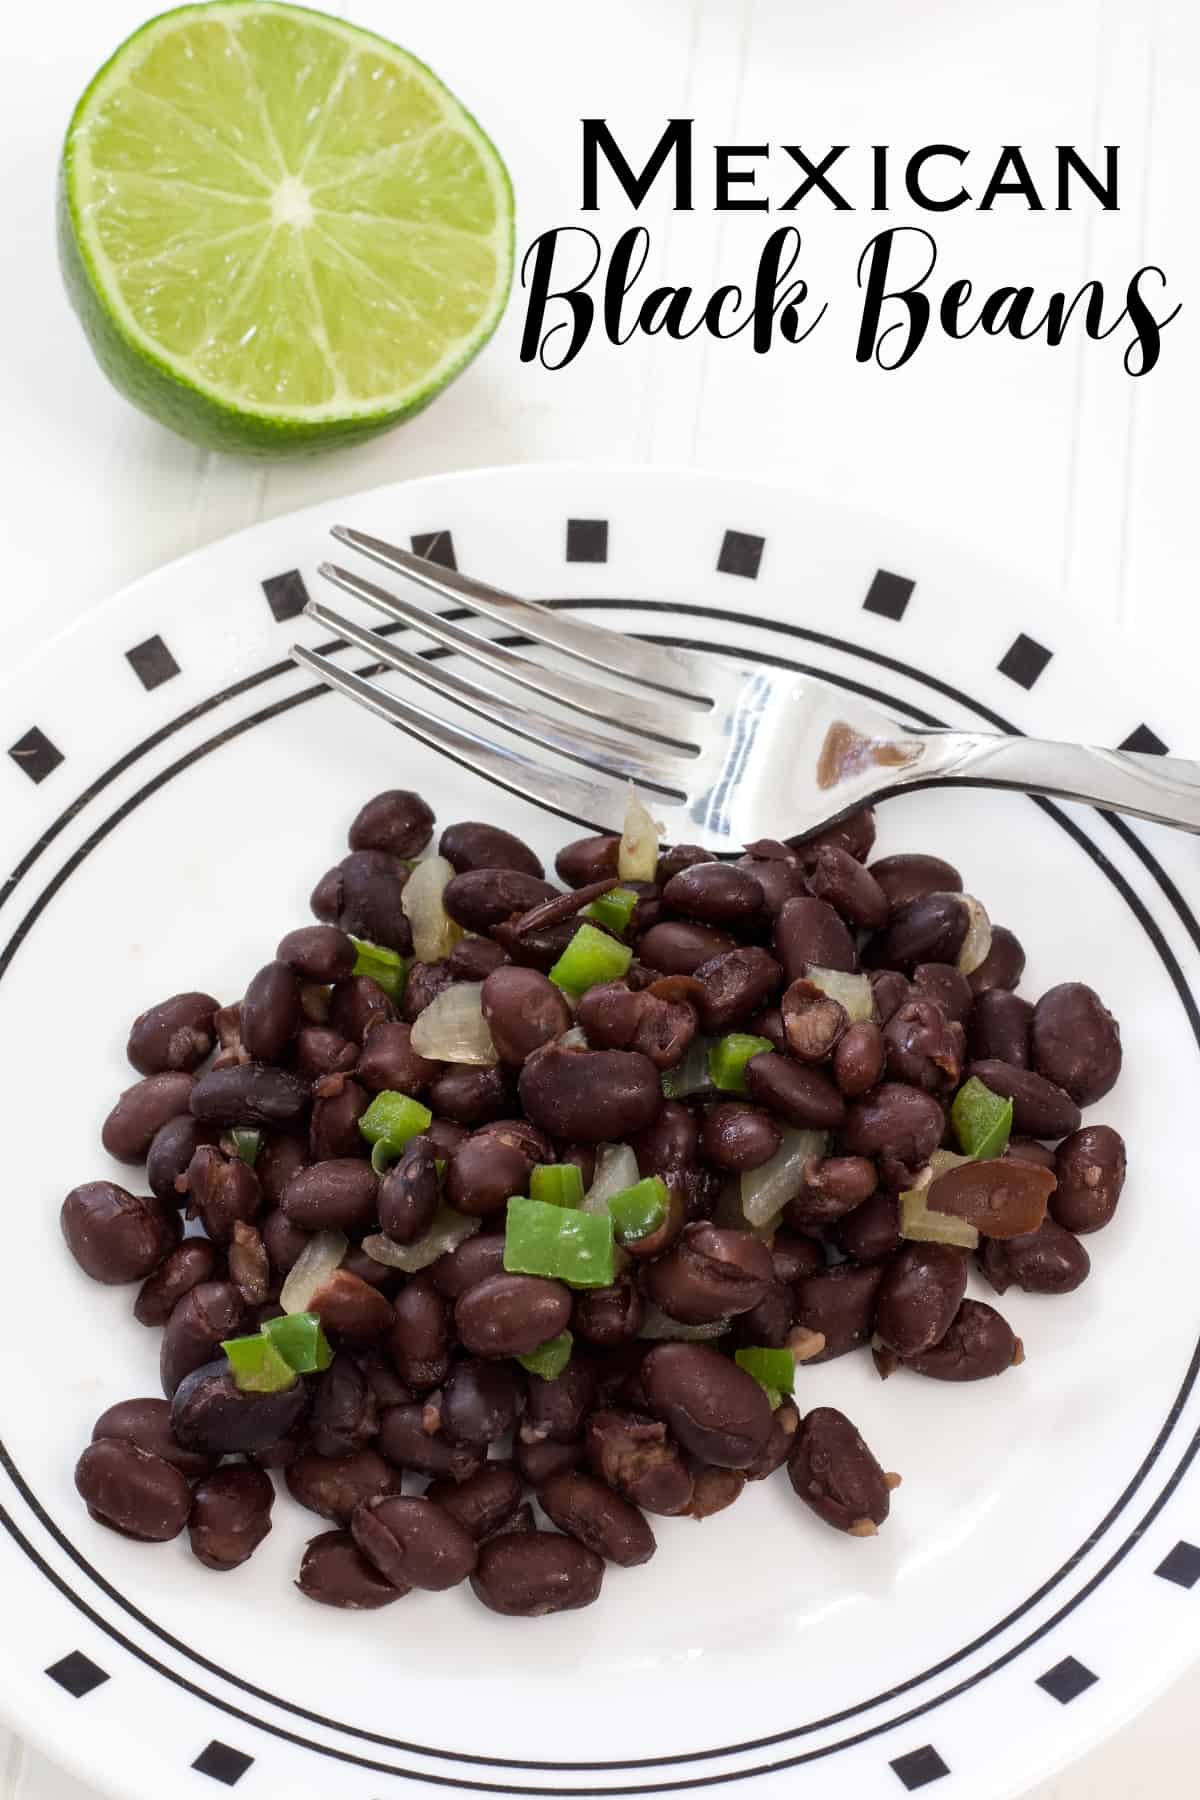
column 599, row 803
column 657, row 718
column 678, row 671
column 595, row 750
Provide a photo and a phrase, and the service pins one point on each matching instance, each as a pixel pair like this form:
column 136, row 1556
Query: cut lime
column 280, row 232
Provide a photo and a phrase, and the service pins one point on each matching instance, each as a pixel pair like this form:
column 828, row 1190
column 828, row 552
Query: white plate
column 1032, row 1588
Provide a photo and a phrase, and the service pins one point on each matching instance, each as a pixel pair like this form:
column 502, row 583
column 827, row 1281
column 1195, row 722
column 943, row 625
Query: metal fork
column 725, row 750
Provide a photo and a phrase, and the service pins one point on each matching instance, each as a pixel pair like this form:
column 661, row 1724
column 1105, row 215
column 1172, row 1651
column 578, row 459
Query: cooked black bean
column 334, row 1485
column 735, row 985
column 979, row 1343
column 470, row 1095
column 716, row 1410
column 680, row 947
column 1004, row 964
column 919, row 1296
column 481, row 1402
column 472, row 1262
column 671, row 1142
column 588, row 1510
column 222, row 1190
column 813, row 1021
column 142, row 1110
column 473, row 845
column 832, row 1471
column 517, row 1134
column 186, row 1267
column 230, row 1516
column 928, row 929
column 408, row 1195
column 858, row 1058
column 524, row 1010
column 998, row 1028
column 832, row 1187
column 210, row 1412
column 793, row 1256
column 1040, row 1109
column 538, row 1461
column 283, row 1240
column 351, row 1308
column 318, row 1051
column 608, row 1015
column 872, row 1231
column 843, row 883
column 714, row 893
column 674, row 858
column 840, row 1304
column 808, row 933
column 249, row 1264
column 769, row 1322
column 910, row 875
column 419, row 1342
column 414, row 1543
column 280, row 1156
column 1023, row 1149
column 208, row 1313
column 406, row 1443
column 147, row 1423
column 319, row 953
column 590, row 1096
column 710, row 1274
column 345, row 1411
column 271, row 1012
column 358, row 1006
column 363, row 897
column 586, row 860
column 171, row 1150
column 1090, row 1167
column 890, row 990
column 638, row 1458
column 398, row 822
column 713, row 1489
column 389, row 1063
column 1076, row 1042
column 608, row 1316
column 483, row 1502
column 116, row 1236
column 1050, row 1260
column 785, row 1422
column 946, row 987
column 894, row 1120
column 481, row 898
column 425, row 982
column 737, row 1137
column 923, row 1047
column 176, row 1034
column 249, row 1094
column 133, row 1491
column 778, row 871
column 557, row 1408
column 335, row 1572
column 528, row 1574
column 338, row 1195
column 510, row 1315
column 855, row 833
column 802, row 1096
column 475, row 958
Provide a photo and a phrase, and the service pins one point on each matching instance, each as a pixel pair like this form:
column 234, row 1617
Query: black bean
column 923, row 1047
column 710, row 1274
column 345, row 1411
column 147, row 1423
column 537, row 1462
column 398, row 822
column 334, row 1485
column 480, row 1402
column 249, row 1094
column 230, row 1516
column 419, row 1343
column 176, row 1034
column 406, row 1443
column 919, row 1296
column 408, row 1195
column 803, row 1096
column 679, row 947
column 735, row 985
column 714, row 893
column 335, row 1572
column 358, row 1006
column 716, row 1410
column 608, row 1014
column 608, row 1316
column 890, row 990
column 1090, row 1167
column 173, row 1146
column 840, row 1304
column 785, row 1422
column 794, row 1256
column 318, row 1051
column 528, row 1574
column 736, row 1137
column 592, row 1097
column 414, row 1543
column 1050, row 1260
column 842, row 882
column 638, row 1458
column 778, row 871
column 481, row 898
column 115, row 1236
column 319, row 953
column 510, row 1315
column 998, row 1028
column 470, row 1095
column 472, row 845
column 222, row 1190
column 832, row 1471
column 1022, row 1149
column 671, row 1142
column 473, row 1261
column 1003, row 965
column 833, row 1186
column 333, row 1130
column 713, row 1489
column 855, row 833
column 523, row 1010
column 586, row 860
column 929, row 929
column 1040, row 1109
column 483, row 1502
column 871, row 1232
column 133, row 1491
column 271, row 1014
column 210, row 1412
column 186, row 1267
column 363, row 897
column 338, row 1195
column 769, row 1322
column 389, row 1063
column 208, row 1313
column 910, row 875
column 588, row 1510
column 558, row 1408
column 979, row 1343
column 809, row 933
column 352, row 1308
column 1076, row 1042
column 946, row 987
column 475, row 958
column 142, row 1110
column 425, row 982
column 283, row 1240
column 279, row 1158
column 858, row 1058
column 894, row 1120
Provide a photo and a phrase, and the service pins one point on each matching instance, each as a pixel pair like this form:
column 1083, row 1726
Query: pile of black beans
column 424, row 1389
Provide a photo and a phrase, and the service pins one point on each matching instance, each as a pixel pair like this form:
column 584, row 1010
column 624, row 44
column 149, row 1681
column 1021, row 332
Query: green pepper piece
column 385, row 967
column 728, row 1058
column 246, row 1143
column 772, row 1369
column 614, row 909
column 638, row 1211
column 550, row 1358
column 301, row 1341
column 590, row 958
column 258, row 1366
column 774, row 1397
column 982, row 1120
column 558, row 1184
column 560, row 1242
column 393, row 1119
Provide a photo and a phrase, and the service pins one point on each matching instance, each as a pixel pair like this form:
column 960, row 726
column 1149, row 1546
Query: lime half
column 280, row 232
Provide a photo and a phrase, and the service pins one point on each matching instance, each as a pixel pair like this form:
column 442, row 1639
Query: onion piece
column 921, row 1225
column 576, row 1038
column 978, row 941
column 321, row 1255
column 765, row 1191
column 637, row 855
column 616, row 1170
column 853, row 992
column 434, row 932
column 448, row 1230
column 691, row 1075
column 452, row 1027
column 658, row 1324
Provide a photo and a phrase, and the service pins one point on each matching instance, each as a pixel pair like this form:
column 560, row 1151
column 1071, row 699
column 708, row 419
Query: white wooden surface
column 1054, row 462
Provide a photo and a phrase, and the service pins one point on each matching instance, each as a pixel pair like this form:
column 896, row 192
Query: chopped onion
column 616, row 1170
column 452, row 1027
column 942, row 1161
column 315, row 1264
column 978, row 941
column 658, row 1324
column 691, row 1075
column 921, row 1225
column 576, row 1038
column 448, row 1230
column 637, row 856
column 765, row 1191
column 434, row 932
column 854, row 992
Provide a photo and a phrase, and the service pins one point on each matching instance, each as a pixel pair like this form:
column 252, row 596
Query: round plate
column 174, row 789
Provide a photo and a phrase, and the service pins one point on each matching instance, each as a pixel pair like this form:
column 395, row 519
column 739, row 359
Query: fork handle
column 1163, row 788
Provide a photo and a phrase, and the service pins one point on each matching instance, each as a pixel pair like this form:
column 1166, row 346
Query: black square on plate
column 1024, row 660
column 36, row 755
column 1182, row 1566
column 435, row 547
column 152, row 663
column 77, row 1673
column 920, row 1767
column 1145, row 740
column 741, row 553
column 587, row 540
column 286, row 594
column 1067, row 1680
column 888, row 594
column 223, row 1763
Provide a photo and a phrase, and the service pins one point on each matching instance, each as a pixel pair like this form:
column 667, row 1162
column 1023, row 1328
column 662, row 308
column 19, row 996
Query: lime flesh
column 281, row 232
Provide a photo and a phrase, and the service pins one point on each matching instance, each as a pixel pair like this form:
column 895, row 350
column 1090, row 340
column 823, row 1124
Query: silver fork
column 725, row 750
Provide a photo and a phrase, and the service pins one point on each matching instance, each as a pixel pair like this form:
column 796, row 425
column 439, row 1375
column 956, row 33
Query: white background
column 1070, row 474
